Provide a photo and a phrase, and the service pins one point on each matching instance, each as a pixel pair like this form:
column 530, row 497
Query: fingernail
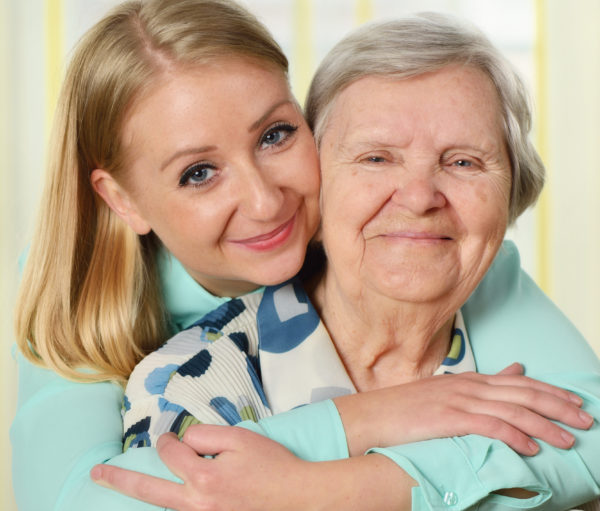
column 586, row 418
column 533, row 447
column 574, row 398
column 96, row 473
column 568, row 438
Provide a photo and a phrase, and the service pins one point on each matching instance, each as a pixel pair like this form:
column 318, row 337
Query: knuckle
column 514, row 413
column 166, row 449
column 144, row 488
column 203, row 480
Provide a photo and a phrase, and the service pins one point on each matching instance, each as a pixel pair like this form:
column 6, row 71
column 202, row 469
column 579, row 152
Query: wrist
column 361, row 425
column 363, row 483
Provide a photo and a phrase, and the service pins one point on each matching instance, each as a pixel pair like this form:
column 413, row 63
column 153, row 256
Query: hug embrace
column 333, row 281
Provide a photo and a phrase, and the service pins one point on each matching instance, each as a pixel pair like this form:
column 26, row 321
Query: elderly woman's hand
column 508, row 406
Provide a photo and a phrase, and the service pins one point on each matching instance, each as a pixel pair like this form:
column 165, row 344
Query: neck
column 383, row 341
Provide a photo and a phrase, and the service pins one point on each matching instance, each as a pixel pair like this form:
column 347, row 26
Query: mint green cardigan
column 62, row 429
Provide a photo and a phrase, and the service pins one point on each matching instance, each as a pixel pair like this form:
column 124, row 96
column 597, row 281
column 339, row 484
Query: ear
column 118, row 200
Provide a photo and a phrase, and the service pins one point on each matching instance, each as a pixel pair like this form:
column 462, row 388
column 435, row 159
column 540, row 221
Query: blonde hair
column 89, row 305
column 425, row 43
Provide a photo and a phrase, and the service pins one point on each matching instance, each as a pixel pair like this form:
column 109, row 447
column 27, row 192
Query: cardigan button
column 450, row 498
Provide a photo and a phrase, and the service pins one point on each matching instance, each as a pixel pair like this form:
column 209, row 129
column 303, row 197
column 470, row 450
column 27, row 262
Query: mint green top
column 62, row 429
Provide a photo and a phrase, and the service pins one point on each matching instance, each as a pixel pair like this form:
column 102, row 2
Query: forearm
column 363, row 483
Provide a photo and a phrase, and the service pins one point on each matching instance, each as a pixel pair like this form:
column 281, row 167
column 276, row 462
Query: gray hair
column 424, row 43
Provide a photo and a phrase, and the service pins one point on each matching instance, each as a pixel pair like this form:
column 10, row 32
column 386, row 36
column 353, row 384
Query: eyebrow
column 256, row 124
column 184, row 152
column 203, row 149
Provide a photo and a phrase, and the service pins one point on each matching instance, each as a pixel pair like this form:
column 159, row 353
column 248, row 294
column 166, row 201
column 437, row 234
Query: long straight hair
column 89, row 305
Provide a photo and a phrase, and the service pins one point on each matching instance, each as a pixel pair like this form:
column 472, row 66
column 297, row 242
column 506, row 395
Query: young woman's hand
column 242, row 459
column 507, row 406
column 251, row 472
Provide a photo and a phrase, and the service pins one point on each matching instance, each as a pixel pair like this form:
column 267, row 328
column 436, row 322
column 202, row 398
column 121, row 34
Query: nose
column 261, row 198
column 417, row 191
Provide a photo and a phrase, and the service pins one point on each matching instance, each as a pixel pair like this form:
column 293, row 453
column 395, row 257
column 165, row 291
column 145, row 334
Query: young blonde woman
column 182, row 174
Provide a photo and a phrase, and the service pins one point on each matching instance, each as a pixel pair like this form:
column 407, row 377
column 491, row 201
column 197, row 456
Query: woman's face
column 223, row 168
column 415, row 184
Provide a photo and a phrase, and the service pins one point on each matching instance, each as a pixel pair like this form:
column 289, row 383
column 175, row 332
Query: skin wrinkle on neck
column 407, row 343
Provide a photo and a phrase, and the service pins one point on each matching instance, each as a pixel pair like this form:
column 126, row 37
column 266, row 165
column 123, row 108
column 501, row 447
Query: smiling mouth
column 418, row 236
column 269, row 240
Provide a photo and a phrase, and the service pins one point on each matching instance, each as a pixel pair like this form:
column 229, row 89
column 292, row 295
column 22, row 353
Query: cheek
column 306, row 172
column 483, row 207
column 189, row 222
column 351, row 200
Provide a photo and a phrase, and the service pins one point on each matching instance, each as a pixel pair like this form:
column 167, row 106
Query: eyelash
column 191, row 170
column 372, row 159
column 286, row 127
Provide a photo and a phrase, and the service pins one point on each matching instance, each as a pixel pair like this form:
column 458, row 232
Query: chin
column 406, row 288
column 274, row 278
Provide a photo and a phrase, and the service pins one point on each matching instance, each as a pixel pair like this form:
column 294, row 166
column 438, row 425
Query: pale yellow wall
column 573, row 83
column 7, row 273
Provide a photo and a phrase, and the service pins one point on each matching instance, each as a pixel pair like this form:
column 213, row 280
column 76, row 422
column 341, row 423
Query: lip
column 270, row 240
column 418, row 236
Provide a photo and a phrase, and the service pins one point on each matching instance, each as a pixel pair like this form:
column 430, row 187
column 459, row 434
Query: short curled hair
column 424, row 43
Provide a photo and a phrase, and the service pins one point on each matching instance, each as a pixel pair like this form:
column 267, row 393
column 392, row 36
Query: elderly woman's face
column 415, row 184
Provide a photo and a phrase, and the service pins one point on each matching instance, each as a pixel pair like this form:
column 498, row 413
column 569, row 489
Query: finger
column 529, row 423
column 540, row 402
column 184, row 461
column 494, row 427
column 213, row 439
column 526, row 382
column 514, row 369
column 152, row 490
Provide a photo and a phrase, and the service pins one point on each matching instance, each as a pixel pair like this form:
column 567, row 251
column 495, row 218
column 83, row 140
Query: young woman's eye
column 277, row 135
column 198, row 174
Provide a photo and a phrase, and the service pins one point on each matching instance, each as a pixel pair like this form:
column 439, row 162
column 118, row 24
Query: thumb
column 210, row 439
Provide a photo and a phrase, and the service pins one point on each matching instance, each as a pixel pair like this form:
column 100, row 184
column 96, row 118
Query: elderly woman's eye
column 374, row 159
column 199, row 174
column 463, row 163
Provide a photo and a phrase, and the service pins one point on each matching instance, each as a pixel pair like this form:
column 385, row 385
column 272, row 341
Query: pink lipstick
column 270, row 240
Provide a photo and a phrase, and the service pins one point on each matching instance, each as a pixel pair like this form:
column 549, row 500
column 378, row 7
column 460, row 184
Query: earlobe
column 118, row 200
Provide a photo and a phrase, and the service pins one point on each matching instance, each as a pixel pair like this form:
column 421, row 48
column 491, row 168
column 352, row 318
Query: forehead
column 185, row 102
column 455, row 101
column 216, row 79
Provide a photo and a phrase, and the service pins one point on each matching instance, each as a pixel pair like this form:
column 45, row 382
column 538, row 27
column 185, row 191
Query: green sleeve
column 60, row 431
column 312, row 432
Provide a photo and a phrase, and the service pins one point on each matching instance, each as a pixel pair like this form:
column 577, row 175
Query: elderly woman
column 422, row 130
